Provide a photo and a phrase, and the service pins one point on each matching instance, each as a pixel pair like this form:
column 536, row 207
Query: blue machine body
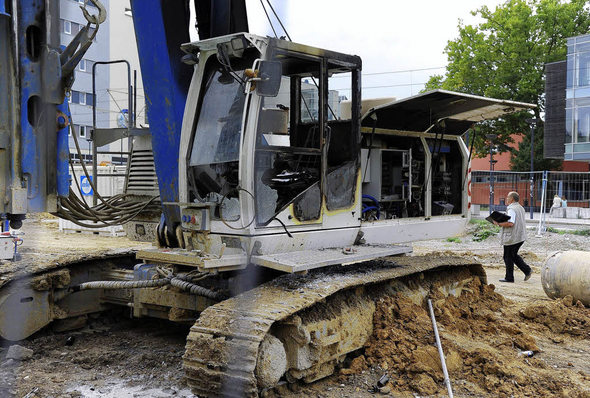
column 30, row 108
column 161, row 26
column 31, row 83
column 160, row 30
column 35, row 159
column 64, row 120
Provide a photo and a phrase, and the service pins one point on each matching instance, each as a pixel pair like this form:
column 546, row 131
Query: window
column 570, row 71
column 82, row 98
column 214, row 157
column 288, row 145
column 67, row 27
column 583, row 69
column 89, row 99
column 82, row 131
column 569, row 125
column 82, row 65
column 75, row 97
column 582, row 124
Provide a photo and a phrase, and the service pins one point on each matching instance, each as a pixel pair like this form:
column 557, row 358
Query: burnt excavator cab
column 260, row 165
column 265, row 173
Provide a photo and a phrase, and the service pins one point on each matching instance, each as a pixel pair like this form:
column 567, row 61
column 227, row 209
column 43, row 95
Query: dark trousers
column 511, row 257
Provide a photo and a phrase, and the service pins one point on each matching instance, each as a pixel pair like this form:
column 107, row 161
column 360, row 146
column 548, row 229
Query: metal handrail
column 130, row 123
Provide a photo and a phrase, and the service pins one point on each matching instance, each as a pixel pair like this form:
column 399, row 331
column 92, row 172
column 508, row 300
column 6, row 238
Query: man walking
column 512, row 236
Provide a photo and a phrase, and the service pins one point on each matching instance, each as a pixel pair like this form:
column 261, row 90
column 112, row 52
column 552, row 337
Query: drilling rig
column 285, row 215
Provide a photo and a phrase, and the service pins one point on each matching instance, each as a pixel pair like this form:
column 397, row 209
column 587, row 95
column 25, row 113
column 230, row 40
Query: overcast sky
column 389, row 35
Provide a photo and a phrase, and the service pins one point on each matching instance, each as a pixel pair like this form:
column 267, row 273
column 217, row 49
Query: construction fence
column 572, row 186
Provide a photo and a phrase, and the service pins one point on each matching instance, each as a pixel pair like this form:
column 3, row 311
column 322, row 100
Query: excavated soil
column 483, row 340
column 493, row 348
column 484, row 333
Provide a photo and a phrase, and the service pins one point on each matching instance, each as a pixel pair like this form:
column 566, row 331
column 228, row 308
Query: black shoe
column 528, row 276
column 506, row 280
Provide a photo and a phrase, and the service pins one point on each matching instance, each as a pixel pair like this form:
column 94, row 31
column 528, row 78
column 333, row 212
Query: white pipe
column 440, row 351
column 541, row 226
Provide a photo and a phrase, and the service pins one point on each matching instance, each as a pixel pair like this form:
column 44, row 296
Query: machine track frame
column 231, row 348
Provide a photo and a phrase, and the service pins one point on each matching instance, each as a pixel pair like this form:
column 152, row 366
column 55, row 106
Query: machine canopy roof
column 458, row 111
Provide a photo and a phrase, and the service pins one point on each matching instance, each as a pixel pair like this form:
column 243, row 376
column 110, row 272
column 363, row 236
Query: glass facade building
column 577, row 108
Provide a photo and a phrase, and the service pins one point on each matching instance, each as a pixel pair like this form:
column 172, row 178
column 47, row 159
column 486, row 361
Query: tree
column 504, row 57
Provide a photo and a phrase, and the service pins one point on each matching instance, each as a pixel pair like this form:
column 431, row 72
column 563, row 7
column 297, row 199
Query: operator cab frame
column 256, row 162
column 269, row 164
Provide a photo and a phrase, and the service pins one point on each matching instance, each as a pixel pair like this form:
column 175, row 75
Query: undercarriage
column 253, row 329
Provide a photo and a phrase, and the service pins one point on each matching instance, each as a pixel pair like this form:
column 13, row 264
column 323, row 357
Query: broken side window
column 343, row 139
column 288, row 152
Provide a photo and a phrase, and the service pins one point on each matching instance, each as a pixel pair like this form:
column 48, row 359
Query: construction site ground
column 484, row 334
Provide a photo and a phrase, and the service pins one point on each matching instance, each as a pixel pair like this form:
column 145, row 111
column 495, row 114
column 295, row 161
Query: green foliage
column 522, row 159
column 435, row 82
column 556, row 231
column 582, row 232
column 504, row 57
column 484, row 230
column 454, row 240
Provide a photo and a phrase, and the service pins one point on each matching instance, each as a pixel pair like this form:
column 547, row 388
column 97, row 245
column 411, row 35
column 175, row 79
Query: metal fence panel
column 572, row 186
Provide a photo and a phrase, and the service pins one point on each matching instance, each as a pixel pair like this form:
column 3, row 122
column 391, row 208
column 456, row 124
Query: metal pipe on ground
column 567, row 273
column 440, row 351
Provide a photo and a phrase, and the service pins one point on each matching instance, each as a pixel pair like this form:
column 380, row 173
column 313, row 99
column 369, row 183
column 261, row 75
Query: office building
column 567, row 90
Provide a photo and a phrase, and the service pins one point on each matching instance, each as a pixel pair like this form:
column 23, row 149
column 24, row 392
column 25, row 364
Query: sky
column 389, row 35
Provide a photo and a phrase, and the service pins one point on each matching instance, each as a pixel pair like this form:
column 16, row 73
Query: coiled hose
column 196, row 289
column 121, row 284
column 117, row 210
column 174, row 281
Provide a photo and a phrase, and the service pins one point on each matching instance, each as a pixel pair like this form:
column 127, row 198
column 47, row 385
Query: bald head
column 514, row 196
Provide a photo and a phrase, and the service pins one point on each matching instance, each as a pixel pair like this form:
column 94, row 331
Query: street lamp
column 533, row 123
column 491, row 138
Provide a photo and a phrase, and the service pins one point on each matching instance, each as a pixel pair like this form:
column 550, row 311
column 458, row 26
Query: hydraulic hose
column 176, row 282
column 121, row 284
column 196, row 289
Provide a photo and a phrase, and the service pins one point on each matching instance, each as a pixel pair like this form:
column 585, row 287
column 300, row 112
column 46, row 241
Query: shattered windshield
column 217, row 135
column 214, row 156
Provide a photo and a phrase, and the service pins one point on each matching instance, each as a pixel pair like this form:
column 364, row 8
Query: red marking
column 469, row 188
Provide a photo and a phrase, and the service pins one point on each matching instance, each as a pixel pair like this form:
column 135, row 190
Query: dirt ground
column 483, row 332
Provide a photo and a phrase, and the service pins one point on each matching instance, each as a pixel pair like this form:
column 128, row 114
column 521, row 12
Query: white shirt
column 512, row 215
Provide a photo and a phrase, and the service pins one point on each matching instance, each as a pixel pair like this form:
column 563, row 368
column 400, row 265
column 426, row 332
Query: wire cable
column 115, row 210
column 278, row 19
column 268, row 17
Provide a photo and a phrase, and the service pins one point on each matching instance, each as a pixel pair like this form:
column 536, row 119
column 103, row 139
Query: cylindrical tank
column 567, row 273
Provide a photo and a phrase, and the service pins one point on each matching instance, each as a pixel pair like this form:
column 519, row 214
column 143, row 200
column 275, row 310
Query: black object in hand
column 498, row 217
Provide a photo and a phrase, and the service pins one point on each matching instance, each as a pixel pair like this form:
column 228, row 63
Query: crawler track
column 223, row 346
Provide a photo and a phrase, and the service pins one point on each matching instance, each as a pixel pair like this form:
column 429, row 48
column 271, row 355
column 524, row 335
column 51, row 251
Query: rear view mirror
column 269, row 74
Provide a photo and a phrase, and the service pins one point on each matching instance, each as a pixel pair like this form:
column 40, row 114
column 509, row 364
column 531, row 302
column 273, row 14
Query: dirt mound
column 482, row 344
column 561, row 316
